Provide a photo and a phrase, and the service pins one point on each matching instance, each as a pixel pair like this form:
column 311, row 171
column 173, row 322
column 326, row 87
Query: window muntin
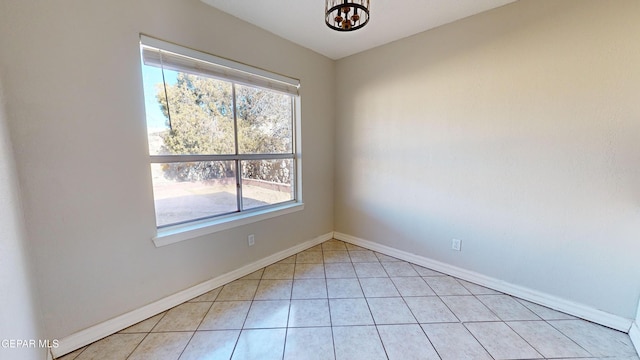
column 222, row 146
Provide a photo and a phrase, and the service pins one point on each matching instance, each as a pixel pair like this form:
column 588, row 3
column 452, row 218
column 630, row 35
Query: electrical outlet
column 251, row 239
column 456, row 244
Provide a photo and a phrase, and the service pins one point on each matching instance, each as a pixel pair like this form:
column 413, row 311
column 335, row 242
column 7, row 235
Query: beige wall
column 517, row 131
column 20, row 318
column 76, row 116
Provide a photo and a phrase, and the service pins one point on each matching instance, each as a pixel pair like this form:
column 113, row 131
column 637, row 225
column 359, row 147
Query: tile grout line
column 197, row 327
column 371, row 312
column 428, row 339
column 439, row 296
column 523, row 339
column 242, row 329
column 403, row 301
column 463, row 323
column 286, row 330
column 144, row 337
column 478, row 341
column 326, row 284
column 539, row 319
column 570, row 338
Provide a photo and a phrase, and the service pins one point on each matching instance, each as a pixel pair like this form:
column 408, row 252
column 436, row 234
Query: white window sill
column 174, row 234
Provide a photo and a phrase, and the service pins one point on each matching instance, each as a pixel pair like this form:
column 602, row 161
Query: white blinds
column 170, row 56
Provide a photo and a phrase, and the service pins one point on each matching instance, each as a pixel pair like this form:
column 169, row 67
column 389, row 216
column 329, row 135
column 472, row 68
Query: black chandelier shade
column 346, row 15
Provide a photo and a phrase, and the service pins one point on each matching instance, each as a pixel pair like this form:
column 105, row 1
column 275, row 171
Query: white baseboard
column 634, row 334
column 99, row 331
column 553, row 302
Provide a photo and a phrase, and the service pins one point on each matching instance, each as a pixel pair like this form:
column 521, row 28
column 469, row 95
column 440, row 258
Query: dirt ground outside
column 182, row 201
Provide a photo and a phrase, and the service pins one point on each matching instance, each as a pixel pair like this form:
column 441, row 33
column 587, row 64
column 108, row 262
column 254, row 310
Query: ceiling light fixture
column 346, row 15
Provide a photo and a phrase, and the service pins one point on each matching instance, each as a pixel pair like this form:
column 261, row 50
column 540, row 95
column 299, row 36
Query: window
column 222, row 137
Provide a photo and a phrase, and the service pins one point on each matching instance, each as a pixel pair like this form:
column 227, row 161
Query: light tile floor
column 340, row 301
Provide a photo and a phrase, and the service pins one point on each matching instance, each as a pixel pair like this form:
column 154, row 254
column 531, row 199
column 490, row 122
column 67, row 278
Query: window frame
column 237, row 74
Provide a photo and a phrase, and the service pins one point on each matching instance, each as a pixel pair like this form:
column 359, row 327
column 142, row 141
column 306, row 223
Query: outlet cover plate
column 456, row 244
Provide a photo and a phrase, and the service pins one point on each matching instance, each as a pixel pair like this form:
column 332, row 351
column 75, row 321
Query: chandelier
column 346, row 15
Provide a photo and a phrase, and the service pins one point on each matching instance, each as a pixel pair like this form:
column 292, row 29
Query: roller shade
column 174, row 57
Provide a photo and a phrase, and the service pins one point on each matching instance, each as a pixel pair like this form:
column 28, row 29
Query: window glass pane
column 264, row 121
column 201, row 120
column 193, row 190
column 156, row 120
column 266, row 182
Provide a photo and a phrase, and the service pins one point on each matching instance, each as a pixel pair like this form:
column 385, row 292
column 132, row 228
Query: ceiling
column 302, row 21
